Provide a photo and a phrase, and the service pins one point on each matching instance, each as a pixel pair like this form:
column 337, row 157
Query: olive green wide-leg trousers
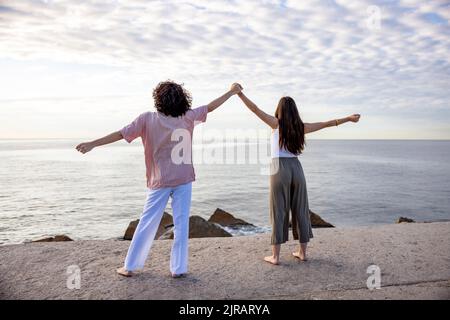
column 288, row 193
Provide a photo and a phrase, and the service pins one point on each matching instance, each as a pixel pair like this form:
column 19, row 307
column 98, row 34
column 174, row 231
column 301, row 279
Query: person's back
column 276, row 151
column 167, row 144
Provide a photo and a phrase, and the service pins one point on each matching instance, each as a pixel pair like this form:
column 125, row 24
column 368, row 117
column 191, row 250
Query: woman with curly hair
column 169, row 172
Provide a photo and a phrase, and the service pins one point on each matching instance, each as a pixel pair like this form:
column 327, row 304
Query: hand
column 354, row 117
column 236, row 88
column 85, row 147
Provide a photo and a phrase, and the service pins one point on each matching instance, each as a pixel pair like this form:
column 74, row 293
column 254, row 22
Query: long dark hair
column 171, row 98
column 291, row 127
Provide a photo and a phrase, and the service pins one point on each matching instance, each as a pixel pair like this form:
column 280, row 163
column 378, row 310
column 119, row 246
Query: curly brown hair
column 171, row 99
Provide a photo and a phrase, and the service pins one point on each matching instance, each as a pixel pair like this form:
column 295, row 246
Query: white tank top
column 276, row 151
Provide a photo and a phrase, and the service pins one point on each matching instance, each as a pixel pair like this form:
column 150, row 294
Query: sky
column 82, row 69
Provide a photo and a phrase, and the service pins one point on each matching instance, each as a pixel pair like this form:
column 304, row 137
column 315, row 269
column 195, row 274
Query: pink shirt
column 161, row 136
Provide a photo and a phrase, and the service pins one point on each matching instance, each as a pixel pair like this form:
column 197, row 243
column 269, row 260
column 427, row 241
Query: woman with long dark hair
column 288, row 191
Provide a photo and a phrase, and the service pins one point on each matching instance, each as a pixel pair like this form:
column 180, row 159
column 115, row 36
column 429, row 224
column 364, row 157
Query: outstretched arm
column 312, row 127
column 213, row 105
column 267, row 118
column 88, row 146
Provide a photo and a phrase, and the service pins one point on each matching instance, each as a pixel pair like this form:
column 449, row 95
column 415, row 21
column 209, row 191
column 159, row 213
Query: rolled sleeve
column 198, row 115
column 134, row 129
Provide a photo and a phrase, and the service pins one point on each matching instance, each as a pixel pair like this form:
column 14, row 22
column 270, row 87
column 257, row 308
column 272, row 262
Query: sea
column 48, row 188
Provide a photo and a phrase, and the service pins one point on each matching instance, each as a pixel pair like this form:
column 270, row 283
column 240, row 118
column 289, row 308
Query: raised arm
column 110, row 138
column 213, row 105
column 267, row 118
column 312, row 127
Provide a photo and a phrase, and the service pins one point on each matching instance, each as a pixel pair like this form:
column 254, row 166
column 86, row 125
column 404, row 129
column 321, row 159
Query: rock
column 130, row 230
column 404, row 219
column 318, row 222
column 57, row 238
column 200, row 228
column 226, row 219
column 166, row 222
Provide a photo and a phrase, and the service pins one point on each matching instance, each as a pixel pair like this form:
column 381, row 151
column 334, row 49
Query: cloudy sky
column 78, row 69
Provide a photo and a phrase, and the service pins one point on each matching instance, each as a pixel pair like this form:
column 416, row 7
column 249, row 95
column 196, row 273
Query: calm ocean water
column 48, row 188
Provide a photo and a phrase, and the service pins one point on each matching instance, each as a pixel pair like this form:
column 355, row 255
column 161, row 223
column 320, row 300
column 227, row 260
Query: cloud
column 329, row 54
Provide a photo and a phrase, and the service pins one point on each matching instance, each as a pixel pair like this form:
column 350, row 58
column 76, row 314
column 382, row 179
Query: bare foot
column 175, row 276
column 123, row 272
column 299, row 256
column 271, row 259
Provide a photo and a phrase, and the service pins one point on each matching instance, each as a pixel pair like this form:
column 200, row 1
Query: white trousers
column 148, row 225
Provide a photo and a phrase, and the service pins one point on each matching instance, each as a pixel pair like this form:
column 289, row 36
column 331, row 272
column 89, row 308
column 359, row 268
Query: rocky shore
column 216, row 226
column 413, row 261
column 198, row 227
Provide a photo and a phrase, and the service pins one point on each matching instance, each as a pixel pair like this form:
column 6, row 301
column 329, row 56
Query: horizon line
column 349, row 139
